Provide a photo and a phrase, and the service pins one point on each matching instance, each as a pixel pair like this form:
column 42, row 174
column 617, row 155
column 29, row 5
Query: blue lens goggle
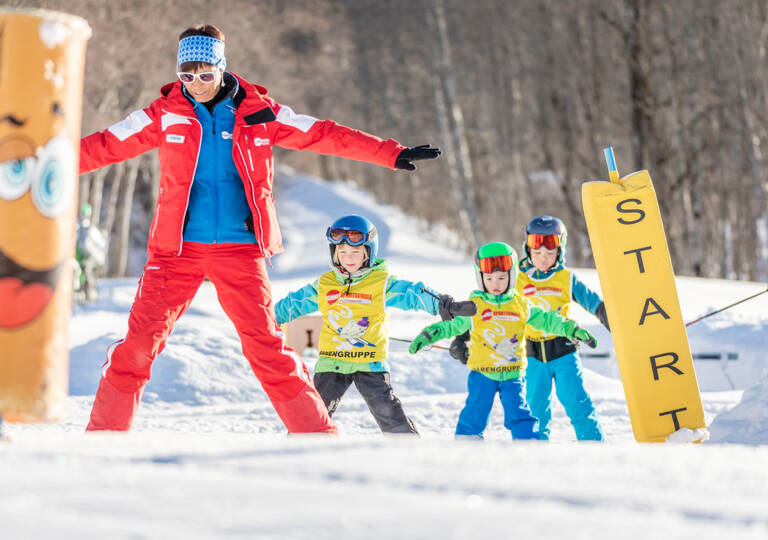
column 353, row 238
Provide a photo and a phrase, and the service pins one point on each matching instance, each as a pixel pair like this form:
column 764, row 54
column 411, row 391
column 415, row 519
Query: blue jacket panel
column 297, row 304
column 218, row 209
column 410, row 296
column 586, row 297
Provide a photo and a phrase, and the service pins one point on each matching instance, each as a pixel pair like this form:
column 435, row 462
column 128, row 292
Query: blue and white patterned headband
column 201, row 49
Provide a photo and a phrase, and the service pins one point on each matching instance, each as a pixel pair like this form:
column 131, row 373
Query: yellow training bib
column 497, row 338
column 355, row 320
column 552, row 293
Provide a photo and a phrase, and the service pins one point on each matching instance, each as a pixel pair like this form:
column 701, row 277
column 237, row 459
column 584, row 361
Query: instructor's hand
column 417, row 153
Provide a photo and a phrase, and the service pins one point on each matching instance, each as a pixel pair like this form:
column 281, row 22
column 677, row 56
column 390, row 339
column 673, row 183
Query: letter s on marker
column 620, row 208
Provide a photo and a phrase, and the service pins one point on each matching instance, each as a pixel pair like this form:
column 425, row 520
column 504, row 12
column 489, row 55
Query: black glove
column 448, row 309
column 602, row 316
column 444, row 307
column 416, row 153
column 459, row 348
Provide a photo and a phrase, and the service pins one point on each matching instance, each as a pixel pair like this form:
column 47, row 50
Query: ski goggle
column 207, row 77
column 549, row 241
column 500, row 263
column 353, row 238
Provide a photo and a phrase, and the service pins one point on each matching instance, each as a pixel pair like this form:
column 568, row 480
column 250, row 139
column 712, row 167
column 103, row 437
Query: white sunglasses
column 205, row 78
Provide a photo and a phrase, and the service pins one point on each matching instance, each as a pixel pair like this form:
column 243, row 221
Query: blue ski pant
column 568, row 378
column 477, row 410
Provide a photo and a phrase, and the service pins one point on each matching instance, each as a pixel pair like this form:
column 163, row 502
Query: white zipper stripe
column 189, row 191
column 253, row 198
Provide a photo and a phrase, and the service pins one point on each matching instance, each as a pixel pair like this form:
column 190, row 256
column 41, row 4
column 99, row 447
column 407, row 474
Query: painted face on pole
column 42, row 57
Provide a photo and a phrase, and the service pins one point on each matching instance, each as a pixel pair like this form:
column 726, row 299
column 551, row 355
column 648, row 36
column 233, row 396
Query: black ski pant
column 377, row 393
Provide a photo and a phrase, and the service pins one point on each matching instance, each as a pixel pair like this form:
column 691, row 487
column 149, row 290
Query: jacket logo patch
column 550, row 291
column 260, row 142
column 172, row 138
column 226, row 135
column 529, row 290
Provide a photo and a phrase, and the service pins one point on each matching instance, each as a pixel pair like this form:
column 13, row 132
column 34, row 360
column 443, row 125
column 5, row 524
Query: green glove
column 584, row 336
column 430, row 334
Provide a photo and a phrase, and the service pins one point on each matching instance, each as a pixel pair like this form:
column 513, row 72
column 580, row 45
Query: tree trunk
column 452, row 126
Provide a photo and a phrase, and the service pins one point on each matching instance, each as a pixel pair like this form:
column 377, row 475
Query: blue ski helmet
column 495, row 256
column 354, row 231
column 544, row 226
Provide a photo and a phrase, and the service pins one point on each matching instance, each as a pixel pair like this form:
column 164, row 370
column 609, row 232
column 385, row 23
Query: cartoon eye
column 15, row 177
column 54, row 185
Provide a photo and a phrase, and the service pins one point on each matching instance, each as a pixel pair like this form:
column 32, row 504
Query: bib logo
column 529, row 290
column 487, row 315
column 332, row 296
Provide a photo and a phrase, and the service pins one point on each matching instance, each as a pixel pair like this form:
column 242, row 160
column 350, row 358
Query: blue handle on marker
column 613, row 172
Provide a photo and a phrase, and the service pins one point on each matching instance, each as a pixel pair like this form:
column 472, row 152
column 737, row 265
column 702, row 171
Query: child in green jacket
column 497, row 357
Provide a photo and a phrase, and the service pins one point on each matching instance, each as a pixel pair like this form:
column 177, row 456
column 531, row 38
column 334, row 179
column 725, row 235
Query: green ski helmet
column 495, row 256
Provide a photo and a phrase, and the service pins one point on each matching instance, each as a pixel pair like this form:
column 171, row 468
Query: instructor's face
column 201, row 91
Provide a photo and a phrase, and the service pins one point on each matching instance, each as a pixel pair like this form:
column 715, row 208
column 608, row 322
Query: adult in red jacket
column 196, row 175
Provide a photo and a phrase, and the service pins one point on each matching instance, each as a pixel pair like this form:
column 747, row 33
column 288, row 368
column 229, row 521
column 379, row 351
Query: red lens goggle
column 549, row 241
column 501, row 263
column 353, row 238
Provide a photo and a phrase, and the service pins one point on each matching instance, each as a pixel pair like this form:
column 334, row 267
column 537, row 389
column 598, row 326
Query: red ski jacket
column 170, row 124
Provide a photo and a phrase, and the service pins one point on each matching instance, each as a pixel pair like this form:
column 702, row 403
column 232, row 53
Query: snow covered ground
column 209, row 458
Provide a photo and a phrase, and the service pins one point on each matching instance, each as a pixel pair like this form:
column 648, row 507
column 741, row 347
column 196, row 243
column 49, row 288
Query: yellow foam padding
column 42, row 58
column 638, row 284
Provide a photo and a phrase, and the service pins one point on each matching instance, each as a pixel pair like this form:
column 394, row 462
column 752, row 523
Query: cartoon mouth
column 24, row 293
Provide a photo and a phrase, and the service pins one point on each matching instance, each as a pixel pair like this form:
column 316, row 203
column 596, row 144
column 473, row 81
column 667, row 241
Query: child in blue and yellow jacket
column 353, row 299
column 544, row 279
column 496, row 354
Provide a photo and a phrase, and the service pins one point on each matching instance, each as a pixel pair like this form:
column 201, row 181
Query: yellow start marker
column 42, row 57
column 638, row 285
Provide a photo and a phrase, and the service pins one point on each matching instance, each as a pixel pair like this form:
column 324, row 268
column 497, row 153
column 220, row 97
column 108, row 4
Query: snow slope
column 209, row 458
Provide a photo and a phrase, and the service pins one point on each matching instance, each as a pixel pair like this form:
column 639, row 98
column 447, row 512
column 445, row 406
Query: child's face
column 351, row 258
column 543, row 258
column 496, row 282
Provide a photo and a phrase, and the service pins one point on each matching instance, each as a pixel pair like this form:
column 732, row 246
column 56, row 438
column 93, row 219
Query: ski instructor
column 215, row 217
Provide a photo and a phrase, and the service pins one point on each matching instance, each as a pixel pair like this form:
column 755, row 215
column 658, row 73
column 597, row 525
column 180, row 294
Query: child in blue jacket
column 545, row 279
column 353, row 298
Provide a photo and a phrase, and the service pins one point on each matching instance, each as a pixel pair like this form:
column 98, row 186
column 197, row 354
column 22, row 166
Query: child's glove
column 459, row 348
column 583, row 336
column 444, row 307
column 432, row 333
column 449, row 309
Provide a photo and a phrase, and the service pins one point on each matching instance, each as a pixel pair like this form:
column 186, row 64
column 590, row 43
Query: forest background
column 521, row 96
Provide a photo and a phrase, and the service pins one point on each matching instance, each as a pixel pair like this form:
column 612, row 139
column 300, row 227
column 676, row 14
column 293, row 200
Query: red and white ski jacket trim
column 170, row 124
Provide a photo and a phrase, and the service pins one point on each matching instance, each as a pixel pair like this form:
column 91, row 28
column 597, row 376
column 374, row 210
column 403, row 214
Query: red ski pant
column 166, row 289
